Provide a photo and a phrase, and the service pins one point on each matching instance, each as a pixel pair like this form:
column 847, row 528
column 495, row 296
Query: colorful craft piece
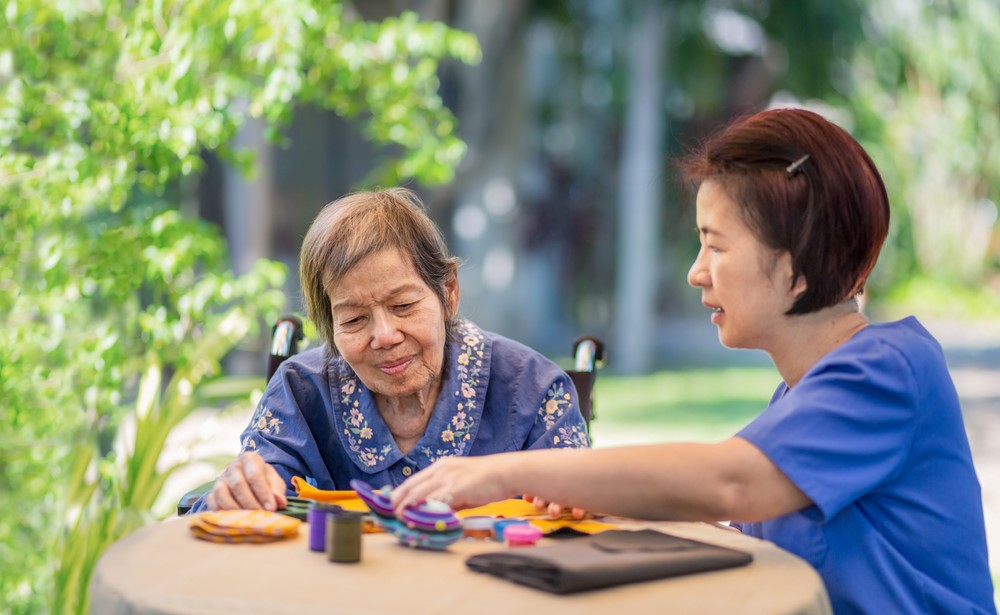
column 297, row 508
column 239, row 526
column 504, row 509
column 523, row 535
column 346, row 499
column 431, row 525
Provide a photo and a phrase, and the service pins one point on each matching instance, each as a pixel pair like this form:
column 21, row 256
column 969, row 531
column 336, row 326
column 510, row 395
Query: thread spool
column 343, row 537
column 316, row 517
column 477, row 528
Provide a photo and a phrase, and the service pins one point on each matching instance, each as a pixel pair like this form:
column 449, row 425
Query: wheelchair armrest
column 188, row 499
column 588, row 355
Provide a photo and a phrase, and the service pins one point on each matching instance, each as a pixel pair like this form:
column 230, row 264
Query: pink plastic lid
column 525, row 534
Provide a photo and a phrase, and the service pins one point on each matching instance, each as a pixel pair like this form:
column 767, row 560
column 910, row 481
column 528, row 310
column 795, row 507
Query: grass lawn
column 692, row 405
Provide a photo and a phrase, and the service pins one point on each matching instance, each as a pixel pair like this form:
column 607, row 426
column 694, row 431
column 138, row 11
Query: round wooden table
column 163, row 569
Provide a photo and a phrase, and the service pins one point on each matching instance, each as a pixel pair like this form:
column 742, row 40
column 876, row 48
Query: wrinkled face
column 390, row 326
column 745, row 283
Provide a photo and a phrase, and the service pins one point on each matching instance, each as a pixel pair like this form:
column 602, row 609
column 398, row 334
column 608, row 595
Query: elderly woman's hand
column 249, row 482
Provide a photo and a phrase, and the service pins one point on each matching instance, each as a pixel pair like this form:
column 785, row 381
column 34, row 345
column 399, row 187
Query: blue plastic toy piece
column 431, row 525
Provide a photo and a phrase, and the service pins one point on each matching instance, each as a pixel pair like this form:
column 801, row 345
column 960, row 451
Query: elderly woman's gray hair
column 361, row 224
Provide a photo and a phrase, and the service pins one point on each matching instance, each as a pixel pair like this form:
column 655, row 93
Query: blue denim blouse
column 319, row 421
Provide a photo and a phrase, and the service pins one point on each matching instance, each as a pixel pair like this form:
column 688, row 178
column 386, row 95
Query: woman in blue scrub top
column 860, row 463
column 401, row 380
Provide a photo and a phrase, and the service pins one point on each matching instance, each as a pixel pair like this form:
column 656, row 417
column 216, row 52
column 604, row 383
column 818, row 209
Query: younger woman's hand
column 554, row 509
column 460, row 482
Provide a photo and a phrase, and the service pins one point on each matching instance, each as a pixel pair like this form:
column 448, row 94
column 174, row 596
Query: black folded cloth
column 614, row 557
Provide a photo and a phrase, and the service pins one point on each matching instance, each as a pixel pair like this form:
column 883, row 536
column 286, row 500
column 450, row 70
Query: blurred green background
column 160, row 161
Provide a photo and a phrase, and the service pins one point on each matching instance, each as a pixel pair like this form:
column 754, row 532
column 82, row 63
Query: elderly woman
column 401, row 381
column 860, row 464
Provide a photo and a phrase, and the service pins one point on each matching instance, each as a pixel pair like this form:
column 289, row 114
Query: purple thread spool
column 316, row 518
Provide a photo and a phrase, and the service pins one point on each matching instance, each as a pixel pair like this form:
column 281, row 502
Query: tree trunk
column 640, row 192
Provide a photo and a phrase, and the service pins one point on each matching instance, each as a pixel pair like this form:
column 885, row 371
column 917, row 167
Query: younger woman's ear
column 796, row 284
column 799, row 286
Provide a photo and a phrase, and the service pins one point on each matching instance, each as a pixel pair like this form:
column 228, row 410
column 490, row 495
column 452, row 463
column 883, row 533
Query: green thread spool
column 343, row 537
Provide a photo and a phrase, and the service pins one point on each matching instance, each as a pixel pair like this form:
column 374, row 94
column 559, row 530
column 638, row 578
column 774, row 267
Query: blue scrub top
column 873, row 435
column 317, row 419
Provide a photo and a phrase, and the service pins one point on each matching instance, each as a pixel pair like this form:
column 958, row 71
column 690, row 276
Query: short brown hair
column 365, row 223
column 830, row 212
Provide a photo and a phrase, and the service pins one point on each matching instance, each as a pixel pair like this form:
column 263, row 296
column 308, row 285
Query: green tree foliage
column 926, row 98
column 115, row 306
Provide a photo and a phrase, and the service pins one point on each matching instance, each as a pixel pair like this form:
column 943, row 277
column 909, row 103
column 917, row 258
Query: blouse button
column 407, row 470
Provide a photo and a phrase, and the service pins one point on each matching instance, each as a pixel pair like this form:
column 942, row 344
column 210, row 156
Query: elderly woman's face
column 743, row 282
column 390, row 326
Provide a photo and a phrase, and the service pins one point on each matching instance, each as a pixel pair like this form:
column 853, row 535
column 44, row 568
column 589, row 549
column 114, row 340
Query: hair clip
column 796, row 166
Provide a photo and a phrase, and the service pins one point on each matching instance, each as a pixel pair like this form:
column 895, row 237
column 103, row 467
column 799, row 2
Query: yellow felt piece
column 246, row 523
column 346, row 499
column 519, row 509
column 251, row 539
column 198, row 525
column 509, row 509
column 223, row 531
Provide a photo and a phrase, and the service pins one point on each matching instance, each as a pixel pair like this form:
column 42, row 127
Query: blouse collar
column 452, row 427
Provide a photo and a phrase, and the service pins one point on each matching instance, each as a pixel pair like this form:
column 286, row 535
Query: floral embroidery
column 263, row 422
column 469, row 369
column 556, row 404
column 357, row 428
column 457, row 435
column 572, row 436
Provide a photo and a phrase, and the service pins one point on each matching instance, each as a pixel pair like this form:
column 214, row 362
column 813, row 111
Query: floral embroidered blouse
column 319, row 421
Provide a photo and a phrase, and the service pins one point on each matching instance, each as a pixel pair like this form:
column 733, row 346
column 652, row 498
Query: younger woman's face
column 745, row 283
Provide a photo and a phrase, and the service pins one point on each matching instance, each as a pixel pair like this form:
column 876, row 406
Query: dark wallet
column 607, row 559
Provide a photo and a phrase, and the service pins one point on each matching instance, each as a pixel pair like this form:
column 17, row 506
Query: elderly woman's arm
column 277, row 444
column 687, row 482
